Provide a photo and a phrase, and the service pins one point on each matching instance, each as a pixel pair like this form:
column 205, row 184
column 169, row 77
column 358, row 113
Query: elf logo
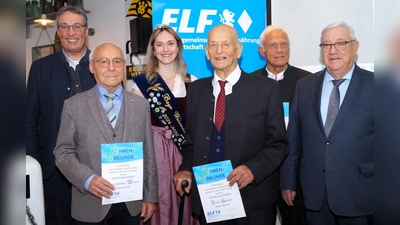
column 207, row 17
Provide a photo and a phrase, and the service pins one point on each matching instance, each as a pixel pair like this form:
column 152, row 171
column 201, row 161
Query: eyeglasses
column 76, row 27
column 105, row 62
column 340, row 46
column 161, row 26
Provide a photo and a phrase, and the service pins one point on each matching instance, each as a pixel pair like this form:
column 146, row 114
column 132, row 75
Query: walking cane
column 185, row 183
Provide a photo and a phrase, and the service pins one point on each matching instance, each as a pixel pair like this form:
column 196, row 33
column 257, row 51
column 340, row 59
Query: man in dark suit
column 387, row 130
column 252, row 136
column 85, row 125
column 275, row 47
column 336, row 165
column 53, row 79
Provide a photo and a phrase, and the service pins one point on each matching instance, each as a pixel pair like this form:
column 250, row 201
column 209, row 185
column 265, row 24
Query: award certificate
column 122, row 166
column 220, row 201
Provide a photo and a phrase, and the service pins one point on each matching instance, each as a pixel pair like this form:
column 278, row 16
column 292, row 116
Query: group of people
column 313, row 174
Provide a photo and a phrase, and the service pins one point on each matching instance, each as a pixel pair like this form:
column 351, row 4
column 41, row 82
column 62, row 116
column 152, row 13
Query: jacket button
column 327, row 143
column 68, row 88
column 207, row 138
column 210, row 119
column 204, row 156
column 323, row 170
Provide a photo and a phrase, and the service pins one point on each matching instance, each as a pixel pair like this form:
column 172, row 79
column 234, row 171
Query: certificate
column 122, row 166
column 220, row 201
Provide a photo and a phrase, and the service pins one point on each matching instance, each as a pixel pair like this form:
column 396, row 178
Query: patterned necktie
column 220, row 108
column 110, row 110
column 333, row 107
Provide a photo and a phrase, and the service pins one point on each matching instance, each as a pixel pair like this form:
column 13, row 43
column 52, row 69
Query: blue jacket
column 51, row 81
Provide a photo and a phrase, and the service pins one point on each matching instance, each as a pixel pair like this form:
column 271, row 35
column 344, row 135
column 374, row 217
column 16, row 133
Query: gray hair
column 73, row 9
column 340, row 24
column 268, row 30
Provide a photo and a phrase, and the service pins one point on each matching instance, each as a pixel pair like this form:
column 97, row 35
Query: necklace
column 167, row 78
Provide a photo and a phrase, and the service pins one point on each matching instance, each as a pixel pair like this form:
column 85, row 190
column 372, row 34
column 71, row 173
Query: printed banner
column 192, row 20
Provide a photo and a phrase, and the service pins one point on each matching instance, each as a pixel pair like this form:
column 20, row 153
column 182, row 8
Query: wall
column 304, row 20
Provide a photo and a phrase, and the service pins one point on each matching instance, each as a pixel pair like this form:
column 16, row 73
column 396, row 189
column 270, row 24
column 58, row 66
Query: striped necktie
column 110, row 110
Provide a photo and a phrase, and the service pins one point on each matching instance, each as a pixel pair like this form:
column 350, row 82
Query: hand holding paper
column 242, row 175
column 100, row 187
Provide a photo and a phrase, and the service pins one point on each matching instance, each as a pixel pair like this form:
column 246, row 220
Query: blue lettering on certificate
column 126, row 150
column 214, row 177
column 124, row 157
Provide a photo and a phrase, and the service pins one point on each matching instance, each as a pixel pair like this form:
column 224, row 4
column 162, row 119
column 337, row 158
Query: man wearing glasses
column 105, row 114
column 52, row 80
column 331, row 136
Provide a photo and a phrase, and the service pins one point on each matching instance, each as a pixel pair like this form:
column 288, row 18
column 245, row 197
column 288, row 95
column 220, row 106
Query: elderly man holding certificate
column 238, row 117
column 105, row 144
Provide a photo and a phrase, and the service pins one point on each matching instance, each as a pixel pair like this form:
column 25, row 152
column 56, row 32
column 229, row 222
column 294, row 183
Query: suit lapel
column 316, row 91
column 99, row 115
column 127, row 108
column 356, row 84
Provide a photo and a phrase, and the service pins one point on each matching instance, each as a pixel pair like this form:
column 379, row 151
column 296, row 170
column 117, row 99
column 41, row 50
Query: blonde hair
column 152, row 61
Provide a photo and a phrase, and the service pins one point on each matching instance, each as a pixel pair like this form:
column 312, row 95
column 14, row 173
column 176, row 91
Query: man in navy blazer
column 52, row 80
column 336, row 170
column 252, row 136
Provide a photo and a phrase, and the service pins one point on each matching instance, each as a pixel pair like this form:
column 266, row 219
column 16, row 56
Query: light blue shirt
column 327, row 87
column 117, row 100
column 117, row 106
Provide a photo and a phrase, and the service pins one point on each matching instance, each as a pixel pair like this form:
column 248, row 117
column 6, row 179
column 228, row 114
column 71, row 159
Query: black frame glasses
column 76, row 27
column 340, row 46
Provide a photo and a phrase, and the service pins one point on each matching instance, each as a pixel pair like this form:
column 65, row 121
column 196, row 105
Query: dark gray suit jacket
column 343, row 162
column 84, row 126
column 255, row 135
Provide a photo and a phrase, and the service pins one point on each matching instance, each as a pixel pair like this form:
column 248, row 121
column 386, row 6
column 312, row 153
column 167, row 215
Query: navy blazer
column 49, row 85
column 342, row 163
column 387, row 144
column 255, row 135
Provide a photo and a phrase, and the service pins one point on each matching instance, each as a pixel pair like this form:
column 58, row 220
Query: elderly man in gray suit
column 85, row 125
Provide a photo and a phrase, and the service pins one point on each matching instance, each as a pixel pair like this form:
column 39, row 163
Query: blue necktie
column 110, row 110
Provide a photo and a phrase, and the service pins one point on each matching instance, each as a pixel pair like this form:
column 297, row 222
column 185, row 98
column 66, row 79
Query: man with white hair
column 331, row 136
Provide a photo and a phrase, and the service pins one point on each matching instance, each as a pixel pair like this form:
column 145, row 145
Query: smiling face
column 223, row 50
column 111, row 76
column 73, row 42
column 338, row 63
column 276, row 50
column 165, row 48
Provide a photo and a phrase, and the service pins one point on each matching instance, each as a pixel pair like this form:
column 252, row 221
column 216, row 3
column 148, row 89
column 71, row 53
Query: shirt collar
column 73, row 63
column 278, row 76
column 102, row 91
column 348, row 76
column 231, row 78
